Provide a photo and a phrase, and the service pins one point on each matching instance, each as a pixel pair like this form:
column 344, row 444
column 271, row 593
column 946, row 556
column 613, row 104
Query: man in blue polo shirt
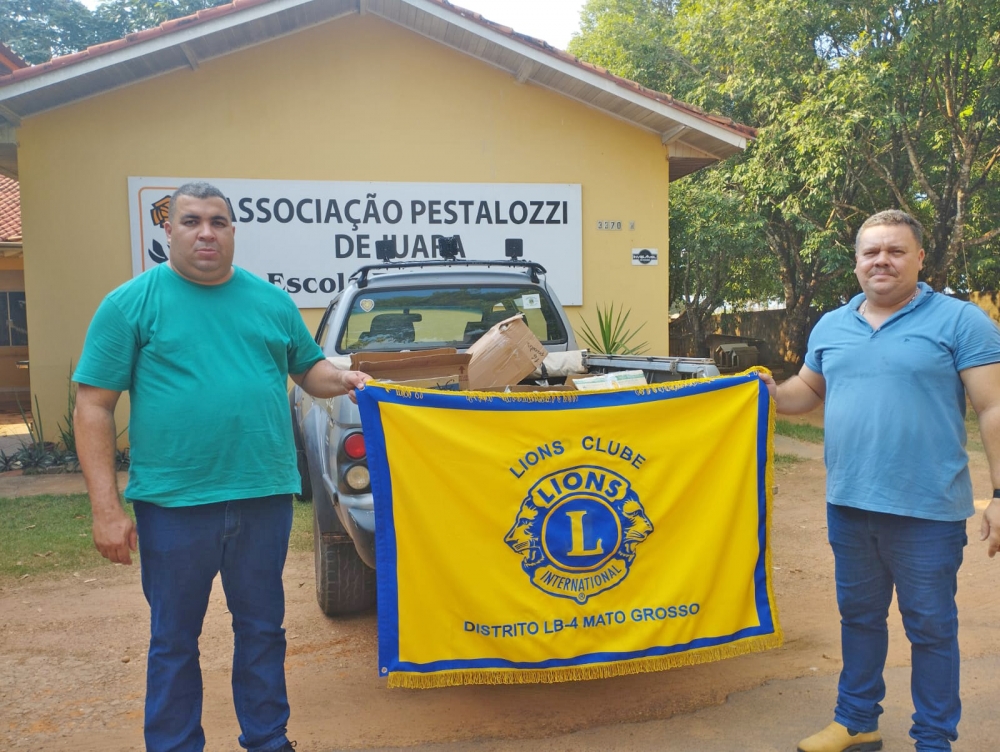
column 204, row 349
column 893, row 368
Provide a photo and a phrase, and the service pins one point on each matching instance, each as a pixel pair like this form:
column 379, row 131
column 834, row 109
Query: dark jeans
column 181, row 550
column 873, row 552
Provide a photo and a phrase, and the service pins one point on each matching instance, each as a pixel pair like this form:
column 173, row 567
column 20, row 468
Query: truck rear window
column 443, row 317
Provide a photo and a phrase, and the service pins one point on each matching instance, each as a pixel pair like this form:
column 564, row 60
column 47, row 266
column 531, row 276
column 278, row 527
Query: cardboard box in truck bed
column 503, row 356
column 443, row 368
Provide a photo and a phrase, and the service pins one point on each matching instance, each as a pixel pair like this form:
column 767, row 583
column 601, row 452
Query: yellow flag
column 554, row 536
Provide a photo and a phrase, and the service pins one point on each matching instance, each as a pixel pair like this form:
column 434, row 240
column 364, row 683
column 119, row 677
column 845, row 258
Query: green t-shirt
column 206, row 369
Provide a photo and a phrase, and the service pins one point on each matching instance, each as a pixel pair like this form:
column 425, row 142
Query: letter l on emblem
column 576, row 532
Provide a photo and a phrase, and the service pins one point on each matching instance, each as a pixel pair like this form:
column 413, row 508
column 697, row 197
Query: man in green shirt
column 204, row 350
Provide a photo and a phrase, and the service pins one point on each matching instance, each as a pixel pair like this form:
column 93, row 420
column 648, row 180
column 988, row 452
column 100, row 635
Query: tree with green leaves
column 718, row 252
column 803, row 175
column 628, row 38
column 926, row 76
column 859, row 107
column 758, row 62
column 39, row 30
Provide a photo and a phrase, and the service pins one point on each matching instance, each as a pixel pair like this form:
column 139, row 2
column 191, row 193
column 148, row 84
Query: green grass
column 302, row 527
column 50, row 534
column 786, row 459
column 43, row 534
column 800, row 431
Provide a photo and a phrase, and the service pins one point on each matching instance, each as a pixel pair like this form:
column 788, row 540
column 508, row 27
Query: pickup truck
column 410, row 305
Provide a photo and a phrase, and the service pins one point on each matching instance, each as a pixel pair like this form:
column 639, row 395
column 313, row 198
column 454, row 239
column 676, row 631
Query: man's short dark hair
column 199, row 189
column 891, row 217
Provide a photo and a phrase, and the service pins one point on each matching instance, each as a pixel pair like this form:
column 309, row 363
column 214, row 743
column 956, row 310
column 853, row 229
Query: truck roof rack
column 362, row 274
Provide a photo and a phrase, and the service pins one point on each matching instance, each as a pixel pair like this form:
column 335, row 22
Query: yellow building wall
column 354, row 99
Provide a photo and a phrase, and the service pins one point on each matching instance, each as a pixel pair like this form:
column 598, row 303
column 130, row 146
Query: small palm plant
column 67, row 432
column 613, row 335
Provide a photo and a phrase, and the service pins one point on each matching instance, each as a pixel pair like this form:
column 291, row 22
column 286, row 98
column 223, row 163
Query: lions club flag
column 553, row 536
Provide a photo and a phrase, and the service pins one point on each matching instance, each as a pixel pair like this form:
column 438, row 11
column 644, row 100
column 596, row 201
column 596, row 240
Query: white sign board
column 308, row 237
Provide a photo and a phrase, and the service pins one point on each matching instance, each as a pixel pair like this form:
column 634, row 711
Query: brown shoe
column 836, row 738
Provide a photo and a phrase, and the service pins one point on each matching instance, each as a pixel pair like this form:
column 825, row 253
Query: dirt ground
column 72, row 657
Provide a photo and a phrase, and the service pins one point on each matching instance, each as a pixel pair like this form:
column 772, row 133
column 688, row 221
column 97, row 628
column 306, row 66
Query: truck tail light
column 357, row 477
column 354, row 446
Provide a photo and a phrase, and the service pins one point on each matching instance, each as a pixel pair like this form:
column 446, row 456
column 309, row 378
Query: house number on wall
column 608, row 225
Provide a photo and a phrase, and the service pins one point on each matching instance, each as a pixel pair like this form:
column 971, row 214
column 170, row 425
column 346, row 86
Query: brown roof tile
column 9, row 60
column 10, row 210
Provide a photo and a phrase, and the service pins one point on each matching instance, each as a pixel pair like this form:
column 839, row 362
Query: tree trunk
column 938, row 260
column 704, row 319
column 697, row 332
column 795, row 333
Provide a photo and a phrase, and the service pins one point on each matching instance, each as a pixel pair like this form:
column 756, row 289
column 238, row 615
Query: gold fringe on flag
column 407, row 680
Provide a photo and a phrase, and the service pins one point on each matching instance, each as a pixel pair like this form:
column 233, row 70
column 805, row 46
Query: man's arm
column 982, row 384
column 326, row 380
column 94, row 426
column 799, row 394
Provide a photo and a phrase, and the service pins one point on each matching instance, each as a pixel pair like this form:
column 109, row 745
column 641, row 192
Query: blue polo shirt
column 895, row 404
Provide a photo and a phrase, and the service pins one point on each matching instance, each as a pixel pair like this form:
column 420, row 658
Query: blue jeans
column 872, row 552
column 181, row 550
